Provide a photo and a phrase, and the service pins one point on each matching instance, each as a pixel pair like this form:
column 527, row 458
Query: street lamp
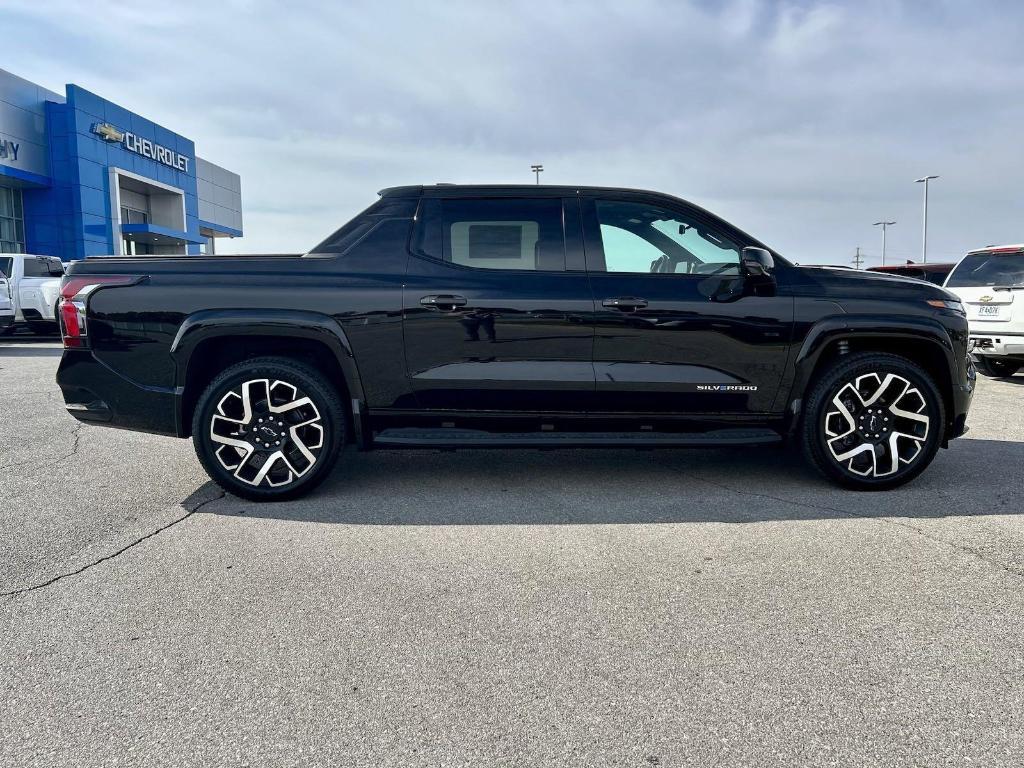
column 924, row 227
column 537, row 170
column 884, row 225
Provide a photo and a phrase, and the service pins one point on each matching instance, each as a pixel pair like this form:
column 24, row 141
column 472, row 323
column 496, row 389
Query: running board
column 413, row 437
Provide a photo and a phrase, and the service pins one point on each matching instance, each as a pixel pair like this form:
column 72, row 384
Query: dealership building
column 81, row 176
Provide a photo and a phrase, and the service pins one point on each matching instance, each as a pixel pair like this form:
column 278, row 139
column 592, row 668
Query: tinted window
column 505, row 233
column 36, row 268
column 643, row 238
column 984, row 269
column 355, row 230
column 6, row 266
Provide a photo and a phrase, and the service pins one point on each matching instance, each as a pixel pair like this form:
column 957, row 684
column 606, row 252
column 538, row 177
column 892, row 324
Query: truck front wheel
column 873, row 421
column 268, row 429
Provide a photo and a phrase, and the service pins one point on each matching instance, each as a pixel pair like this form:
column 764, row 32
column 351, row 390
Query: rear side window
column 350, row 234
column 499, row 233
column 36, row 268
column 6, row 266
column 987, row 268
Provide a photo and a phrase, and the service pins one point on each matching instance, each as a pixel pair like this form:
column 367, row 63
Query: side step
column 414, row 437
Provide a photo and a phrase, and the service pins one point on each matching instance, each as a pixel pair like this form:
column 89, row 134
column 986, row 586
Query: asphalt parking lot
column 509, row 608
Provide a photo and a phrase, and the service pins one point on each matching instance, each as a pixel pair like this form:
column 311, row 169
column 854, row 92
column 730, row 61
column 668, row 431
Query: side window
column 641, row 238
column 6, row 266
column 500, row 233
column 36, row 268
column 354, row 231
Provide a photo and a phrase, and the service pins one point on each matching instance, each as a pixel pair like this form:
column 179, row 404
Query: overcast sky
column 801, row 122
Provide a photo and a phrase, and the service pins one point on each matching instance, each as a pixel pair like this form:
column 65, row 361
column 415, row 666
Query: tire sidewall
column 843, row 372
column 311, row 383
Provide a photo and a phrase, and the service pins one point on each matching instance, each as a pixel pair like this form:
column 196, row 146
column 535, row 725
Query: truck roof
column 523, row 190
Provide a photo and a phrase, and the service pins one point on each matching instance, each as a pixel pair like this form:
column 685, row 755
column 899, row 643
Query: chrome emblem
column 108, row 132
column 986, row 298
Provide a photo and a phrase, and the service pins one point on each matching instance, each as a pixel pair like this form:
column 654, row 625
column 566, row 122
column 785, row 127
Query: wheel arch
column 210, row 341
column 923, row 342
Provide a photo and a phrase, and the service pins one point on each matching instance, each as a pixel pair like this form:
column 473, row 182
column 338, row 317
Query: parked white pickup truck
column 34, row 289
column 6, row 305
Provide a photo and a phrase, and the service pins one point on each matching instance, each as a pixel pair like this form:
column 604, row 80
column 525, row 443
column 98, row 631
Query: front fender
column 865, row 327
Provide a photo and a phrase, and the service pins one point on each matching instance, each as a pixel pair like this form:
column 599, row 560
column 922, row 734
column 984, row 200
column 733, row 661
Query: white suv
column 990, row 283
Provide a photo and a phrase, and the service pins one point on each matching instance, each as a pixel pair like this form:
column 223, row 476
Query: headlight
column 956, row 306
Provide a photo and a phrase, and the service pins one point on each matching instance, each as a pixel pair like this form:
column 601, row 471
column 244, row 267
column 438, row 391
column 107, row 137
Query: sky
column 801, row 122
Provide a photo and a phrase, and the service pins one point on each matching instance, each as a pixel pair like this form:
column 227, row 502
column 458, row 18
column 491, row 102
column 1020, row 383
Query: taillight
column 74, row 298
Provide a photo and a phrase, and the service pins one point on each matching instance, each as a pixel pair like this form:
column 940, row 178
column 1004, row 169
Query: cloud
column 802, row 122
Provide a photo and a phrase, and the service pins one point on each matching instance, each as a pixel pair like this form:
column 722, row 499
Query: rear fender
column 286, row 323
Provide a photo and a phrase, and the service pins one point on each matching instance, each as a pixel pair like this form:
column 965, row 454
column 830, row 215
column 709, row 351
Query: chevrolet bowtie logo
column 986, row 298
column 107, row 132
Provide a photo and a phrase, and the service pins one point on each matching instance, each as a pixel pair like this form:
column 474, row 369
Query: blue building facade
column 81, row 176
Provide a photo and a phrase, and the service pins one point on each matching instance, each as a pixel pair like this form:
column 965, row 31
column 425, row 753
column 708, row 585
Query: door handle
column 444, row 302
column 624, row 303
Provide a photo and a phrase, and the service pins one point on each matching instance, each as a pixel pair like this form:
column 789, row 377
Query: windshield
column 987, row 268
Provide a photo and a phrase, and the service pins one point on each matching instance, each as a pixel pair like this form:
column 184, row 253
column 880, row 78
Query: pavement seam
column 881, row 520
column 111, row 556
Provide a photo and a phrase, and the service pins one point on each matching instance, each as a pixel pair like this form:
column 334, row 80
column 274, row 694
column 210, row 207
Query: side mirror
column 756, row 262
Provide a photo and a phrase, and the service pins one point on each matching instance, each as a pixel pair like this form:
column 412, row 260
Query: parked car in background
column 34, row 289
column 933, row 273
column 6, row 305
column 990, row 283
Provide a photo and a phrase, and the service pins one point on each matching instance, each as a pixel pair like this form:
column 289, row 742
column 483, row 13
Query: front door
column 495, row 319
column 675, row 331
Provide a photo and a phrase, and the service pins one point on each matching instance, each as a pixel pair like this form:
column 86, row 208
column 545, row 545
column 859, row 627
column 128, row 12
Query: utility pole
column 884, row 225
column 537, row 171
column 857, row 260
column 924, row 226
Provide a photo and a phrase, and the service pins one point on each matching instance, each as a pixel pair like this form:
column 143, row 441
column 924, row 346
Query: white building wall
column 220, row 195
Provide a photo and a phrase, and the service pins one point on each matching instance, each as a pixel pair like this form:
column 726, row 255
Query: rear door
column 675, row 331
column 497, row 307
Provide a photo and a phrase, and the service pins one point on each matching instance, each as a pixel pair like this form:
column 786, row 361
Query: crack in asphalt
column 105, row 558
column 76, row 434
column 881, row 520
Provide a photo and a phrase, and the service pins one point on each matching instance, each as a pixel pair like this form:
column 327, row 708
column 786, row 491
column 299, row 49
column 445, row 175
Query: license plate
column 988, row 311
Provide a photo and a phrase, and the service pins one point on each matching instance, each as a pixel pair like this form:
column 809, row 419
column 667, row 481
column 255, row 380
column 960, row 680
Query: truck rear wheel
column 873, row 421
column 268, row 429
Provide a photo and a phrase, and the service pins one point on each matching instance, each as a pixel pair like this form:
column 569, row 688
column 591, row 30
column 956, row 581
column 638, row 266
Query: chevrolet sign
column 141, row 146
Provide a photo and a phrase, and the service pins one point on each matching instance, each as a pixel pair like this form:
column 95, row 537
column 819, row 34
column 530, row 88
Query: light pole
column 924, row 226
column 537, row 170
column 884, row 225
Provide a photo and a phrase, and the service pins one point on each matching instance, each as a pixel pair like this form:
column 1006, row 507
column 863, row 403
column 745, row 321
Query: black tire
column 833, row 442
column 272, row 438
column 995, row 369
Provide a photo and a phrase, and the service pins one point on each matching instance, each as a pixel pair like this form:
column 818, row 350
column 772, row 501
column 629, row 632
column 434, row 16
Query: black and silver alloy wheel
column 873, row 421
column 877, row 423
column 268, row 429
column 268, row 432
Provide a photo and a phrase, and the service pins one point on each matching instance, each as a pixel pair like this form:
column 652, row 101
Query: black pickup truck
column 516, row 316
